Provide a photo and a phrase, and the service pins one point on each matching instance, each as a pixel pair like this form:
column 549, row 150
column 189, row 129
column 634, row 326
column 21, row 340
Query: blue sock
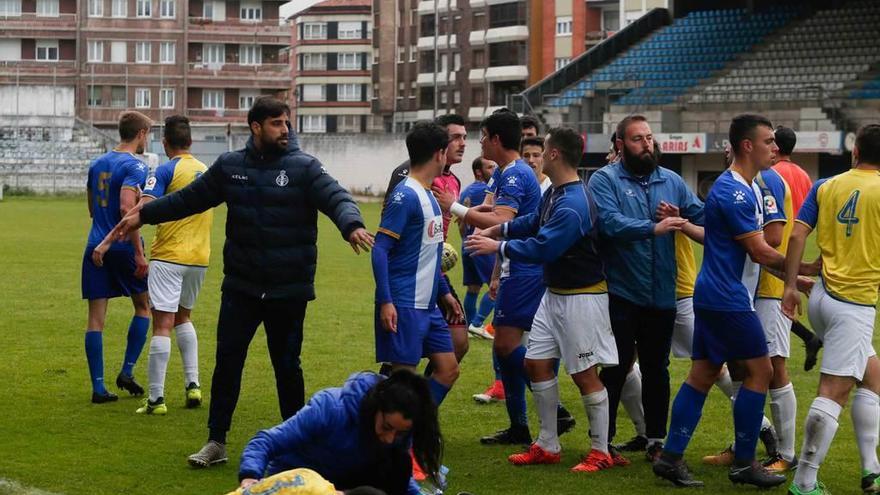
column 438, row 391
column 137, row 336
column 748, row 412
column 95, row 357
column 486, row 307
column 686, row 411
column 470, row 305
column 513, row 374
column 496, row 365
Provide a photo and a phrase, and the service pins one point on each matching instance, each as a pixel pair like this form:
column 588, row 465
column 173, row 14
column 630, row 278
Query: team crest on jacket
column 282, row 179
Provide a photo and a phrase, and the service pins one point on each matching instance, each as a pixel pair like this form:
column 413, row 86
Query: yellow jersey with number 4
column 186, row 241
column 294, row 482
column 845, row 212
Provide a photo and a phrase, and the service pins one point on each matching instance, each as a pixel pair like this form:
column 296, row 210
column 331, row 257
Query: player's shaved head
column 568, row 142
column 742, row 128
column 131, row 123
column 177, row 132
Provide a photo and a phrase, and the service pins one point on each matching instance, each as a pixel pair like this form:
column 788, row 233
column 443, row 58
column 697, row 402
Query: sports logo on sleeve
column 151, row 183
column 739, row 197
column 770, row 205
column 397, row 198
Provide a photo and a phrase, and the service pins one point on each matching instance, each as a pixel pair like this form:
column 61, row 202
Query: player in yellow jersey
column 844, row 210
column 300, row 481
column 178, row 260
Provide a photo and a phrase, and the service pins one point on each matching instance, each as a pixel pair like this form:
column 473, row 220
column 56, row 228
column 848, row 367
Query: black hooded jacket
column 272, row 221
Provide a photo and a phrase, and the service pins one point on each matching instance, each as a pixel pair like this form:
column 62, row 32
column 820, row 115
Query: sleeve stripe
column 775, row 221
column 148, row 195
column 805, row 224
column 389, row 233
column 133, row 188
column 509, row 208
column 747, row 235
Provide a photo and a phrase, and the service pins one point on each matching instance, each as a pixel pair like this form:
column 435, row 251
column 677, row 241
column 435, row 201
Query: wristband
column 458, row 209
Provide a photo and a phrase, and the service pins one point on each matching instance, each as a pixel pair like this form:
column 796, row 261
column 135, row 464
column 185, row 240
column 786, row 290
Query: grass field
column 52, row 438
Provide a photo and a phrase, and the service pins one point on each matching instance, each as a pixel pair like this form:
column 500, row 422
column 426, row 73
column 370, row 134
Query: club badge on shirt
column 282, row 179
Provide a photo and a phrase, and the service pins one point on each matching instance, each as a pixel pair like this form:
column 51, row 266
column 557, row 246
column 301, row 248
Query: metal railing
column 590, row 60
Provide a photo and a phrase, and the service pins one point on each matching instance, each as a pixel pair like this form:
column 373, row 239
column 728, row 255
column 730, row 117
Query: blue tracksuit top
column 325, row 436
column 640, row 267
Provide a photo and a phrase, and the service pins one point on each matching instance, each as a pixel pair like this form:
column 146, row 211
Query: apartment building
column 331, row 59
column 207, row 58
column 470, row 56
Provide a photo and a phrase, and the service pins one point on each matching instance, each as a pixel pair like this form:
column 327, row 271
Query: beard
column 640, row 165
column 274, row 146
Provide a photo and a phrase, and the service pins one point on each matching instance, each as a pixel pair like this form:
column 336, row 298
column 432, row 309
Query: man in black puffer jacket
column 273, row 192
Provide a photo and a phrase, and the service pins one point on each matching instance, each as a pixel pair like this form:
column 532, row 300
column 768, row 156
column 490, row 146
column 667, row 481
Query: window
column 413, row 53
column 314, row 123
column 166, row 9
column 456, row 97
column 427, row 27
column 212, row 99
column 348, row 123
column 314, row 61
column 478, row 96
column 349, row 30
column 478, row 23
column 348, row 92
column 444, row 63
column 250, row 54
column 96, row 51
column 118, row 97
column 507, row 14
column 456, row 61
column 47, row 8
column 144, row 8
column 507, row 53
column 313, row 92
column 426, row 98
column 348, row 61
column 96, row 8
column 315, row 31
column 480, row 58
column 143, row 52
column 214, row 54
column 563, row 26
column 167, row 51
column 247, row 97
column 119, row 8
column 611, row 20
column 94, row 96
column 47, row 50
column 208, row 10
column 401, row 91
column 10, row 8
column 142, row 97
column 401, row 54
column 118, row 52
column 562, row 62
column 166, row 98
column 252, row 12
column 444, row 97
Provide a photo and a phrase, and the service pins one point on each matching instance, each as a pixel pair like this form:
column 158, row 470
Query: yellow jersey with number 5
column 845, row 212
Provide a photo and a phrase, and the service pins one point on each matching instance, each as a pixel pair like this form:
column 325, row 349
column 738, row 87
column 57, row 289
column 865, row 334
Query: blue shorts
column 477, row 270
column 518, row 299
column 724, row 336
column 420, row 333
column 114, row 279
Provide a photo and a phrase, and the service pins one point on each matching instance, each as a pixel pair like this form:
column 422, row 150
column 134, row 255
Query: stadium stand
column 870, row 90
column 32, row 158
column 678, row 57
column 819, row 55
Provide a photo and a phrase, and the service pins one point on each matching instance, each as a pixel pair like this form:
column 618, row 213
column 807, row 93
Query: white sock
column 160, row 351
column 724, row 383
column 631, row 397
column 189, row 351
column 819, row 430
column 596, row 405
column 866, row 423
column 783, row 408
column 546, row 396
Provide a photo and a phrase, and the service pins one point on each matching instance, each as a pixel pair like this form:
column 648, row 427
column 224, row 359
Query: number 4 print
column 847, row 214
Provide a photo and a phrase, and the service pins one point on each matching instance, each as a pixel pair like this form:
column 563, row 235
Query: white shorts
column 173, row 285
column 575, row 328
column 683, row 331
column 846, row 330
column 777, row 327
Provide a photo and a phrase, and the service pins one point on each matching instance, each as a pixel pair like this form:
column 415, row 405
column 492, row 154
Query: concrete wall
column 36, row 106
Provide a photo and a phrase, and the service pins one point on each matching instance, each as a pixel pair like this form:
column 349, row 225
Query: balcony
column 509, row 33
column 507, row 73
column 37, row 71
column 217, row 114
column 427, row 79
column 226, row 75
column 477, row 38
column 236, row 31
column 427, row 6
column 477, row 76
column 131, row 69
column 62, row 26
column 443, row 42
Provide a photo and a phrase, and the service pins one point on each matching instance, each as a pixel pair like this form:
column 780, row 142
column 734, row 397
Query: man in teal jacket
column 639, row 256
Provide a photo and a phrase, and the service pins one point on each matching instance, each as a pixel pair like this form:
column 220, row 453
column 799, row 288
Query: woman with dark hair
column 355, row 435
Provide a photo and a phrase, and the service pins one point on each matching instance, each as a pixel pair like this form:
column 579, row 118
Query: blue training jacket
column 640, row 267
column 326, row 436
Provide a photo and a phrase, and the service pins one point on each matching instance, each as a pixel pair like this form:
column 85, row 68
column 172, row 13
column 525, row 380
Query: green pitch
column 52, row 438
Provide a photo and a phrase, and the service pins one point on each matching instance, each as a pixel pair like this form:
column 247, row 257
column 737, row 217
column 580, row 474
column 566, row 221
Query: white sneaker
column 480, row 332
